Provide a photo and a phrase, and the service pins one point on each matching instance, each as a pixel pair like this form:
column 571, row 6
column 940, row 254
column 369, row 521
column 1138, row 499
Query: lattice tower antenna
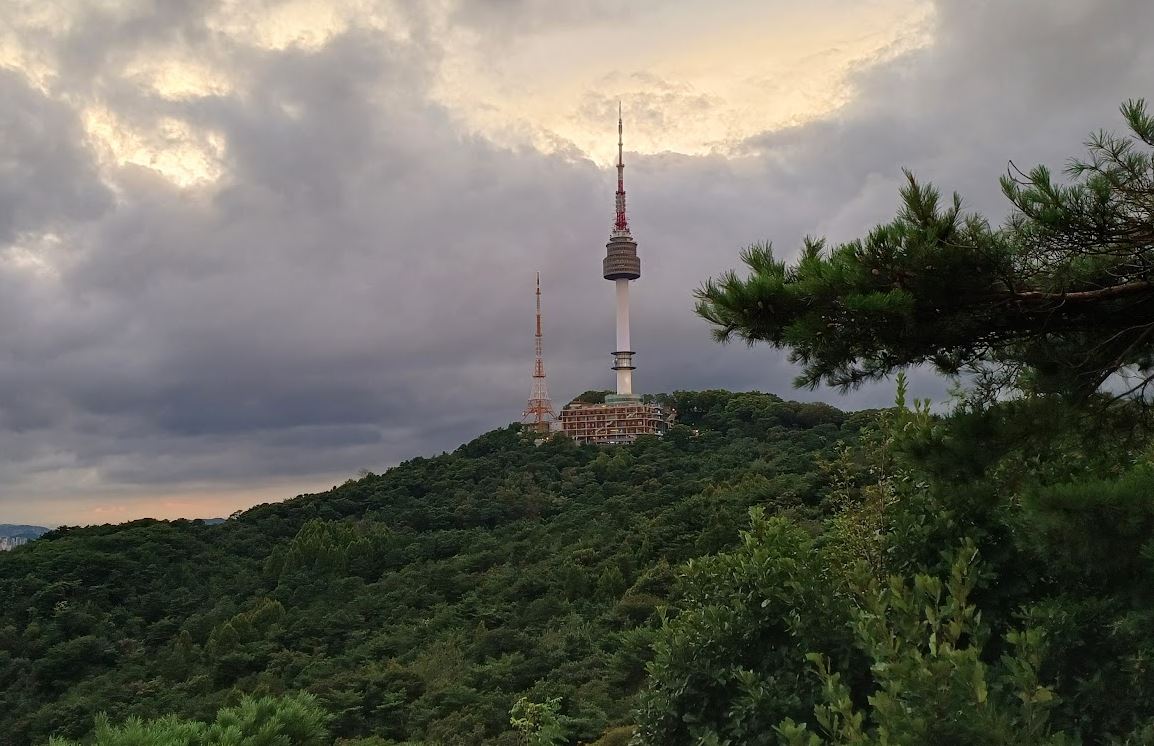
column 538, row 415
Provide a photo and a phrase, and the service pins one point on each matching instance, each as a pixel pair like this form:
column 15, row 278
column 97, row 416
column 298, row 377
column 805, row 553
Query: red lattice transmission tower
column 538, row 415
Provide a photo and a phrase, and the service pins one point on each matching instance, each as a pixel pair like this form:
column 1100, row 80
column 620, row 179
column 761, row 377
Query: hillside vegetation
column 418, row 605
column 767, row 573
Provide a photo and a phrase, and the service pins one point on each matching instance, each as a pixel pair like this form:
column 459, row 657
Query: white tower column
column 623, row 362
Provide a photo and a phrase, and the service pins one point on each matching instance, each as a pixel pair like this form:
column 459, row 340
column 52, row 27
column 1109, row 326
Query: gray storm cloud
column 357, row 289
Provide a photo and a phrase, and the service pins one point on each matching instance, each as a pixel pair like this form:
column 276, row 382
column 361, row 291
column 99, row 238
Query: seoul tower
column 538, row 415
column 622, row 265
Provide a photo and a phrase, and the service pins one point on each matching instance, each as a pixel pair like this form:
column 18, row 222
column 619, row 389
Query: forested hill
column 979, row 577
column 418, row 605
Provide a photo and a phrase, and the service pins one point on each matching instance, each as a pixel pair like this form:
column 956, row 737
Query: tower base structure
column 622, row 418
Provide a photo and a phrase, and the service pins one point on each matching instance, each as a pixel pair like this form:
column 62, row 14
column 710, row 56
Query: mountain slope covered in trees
column 419, row 605
column 767, row 573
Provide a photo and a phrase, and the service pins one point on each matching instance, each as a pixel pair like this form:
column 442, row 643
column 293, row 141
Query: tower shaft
column 623, row 357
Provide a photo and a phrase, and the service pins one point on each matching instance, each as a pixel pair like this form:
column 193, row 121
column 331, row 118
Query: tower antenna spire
column 538, row 416
column 621, row 224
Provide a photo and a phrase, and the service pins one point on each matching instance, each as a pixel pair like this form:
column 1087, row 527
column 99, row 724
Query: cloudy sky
column 248, row 248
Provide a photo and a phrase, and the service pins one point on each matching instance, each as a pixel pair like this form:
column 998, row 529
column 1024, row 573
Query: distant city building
column 12, row 536
column 623, row 416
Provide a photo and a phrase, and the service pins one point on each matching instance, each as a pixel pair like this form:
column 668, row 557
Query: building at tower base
column 618, row 420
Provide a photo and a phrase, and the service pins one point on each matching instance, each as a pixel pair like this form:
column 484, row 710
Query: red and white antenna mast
column 538, row 416
column 622, row 223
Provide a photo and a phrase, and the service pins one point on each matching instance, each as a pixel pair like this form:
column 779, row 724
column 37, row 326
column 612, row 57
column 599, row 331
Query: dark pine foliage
column 1061, row 297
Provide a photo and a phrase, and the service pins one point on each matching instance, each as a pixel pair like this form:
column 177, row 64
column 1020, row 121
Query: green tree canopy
column 418, row 605
column 294, row 720
column 1061, row 295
